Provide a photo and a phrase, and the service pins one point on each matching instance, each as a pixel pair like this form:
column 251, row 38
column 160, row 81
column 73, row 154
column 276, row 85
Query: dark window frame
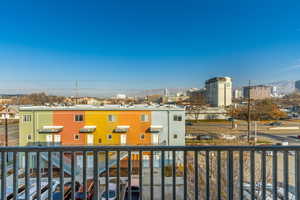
column 78, row 118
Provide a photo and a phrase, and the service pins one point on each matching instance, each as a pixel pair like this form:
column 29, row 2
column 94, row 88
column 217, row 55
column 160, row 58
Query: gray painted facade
column 173, row 132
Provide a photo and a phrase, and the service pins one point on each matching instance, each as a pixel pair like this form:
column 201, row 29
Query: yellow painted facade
column 104, row 133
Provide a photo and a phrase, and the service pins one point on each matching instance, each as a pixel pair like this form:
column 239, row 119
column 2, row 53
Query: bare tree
column 196, row 104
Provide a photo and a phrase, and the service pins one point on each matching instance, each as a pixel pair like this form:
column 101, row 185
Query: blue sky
column 112, row 45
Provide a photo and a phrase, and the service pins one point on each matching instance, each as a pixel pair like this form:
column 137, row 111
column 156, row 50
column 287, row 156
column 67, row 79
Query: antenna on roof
column 76, row 92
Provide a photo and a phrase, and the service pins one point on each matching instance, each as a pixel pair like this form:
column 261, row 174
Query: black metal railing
column 151, row 172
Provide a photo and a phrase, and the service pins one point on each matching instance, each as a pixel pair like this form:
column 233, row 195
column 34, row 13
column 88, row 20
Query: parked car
column 284, row 143
column 228, row 137
column 274, row 124
column 230, row 119
column 111, row 193
column 205, row 137
column 190, row 137
column 188, row 123
column 135, row 193
column 90, row 191
column 67, row 190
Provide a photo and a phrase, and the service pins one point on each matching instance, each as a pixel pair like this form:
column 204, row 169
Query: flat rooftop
column 106, row 107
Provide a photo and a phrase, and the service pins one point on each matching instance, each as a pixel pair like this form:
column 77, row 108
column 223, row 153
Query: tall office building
column 258, row 92
column 297, row 85
column 219, row 91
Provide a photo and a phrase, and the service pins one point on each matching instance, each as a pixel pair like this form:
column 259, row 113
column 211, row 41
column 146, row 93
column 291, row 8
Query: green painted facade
column 29, row 130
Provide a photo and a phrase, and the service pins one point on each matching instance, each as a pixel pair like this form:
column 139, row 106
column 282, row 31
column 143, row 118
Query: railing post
column 129, row 176
column 207, row 165
column 27, row 175
column 196, row 175
column 141, row 173
column 107, row 174
column 230, row 175
column 3, row 174
column 252, row 174
column 96, row 175
column 219, row 189
column 185, row 175
column 38, row 175
column 118, row 175
column 50, row 175
column 286, row 175
column 162, row 175
column 73, row 161
column 263, row 174
column 241, row 175
column 15, row 176
column 274, row 175
column 297, row 174
column 62, row 174
column 151, row 175
column 174, row 174
column 84, row 175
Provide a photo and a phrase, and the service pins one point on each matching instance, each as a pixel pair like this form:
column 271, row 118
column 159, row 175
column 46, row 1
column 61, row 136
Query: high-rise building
column 219, row 91
column 166, row 92
column 237, row 94
column 258, row 92
column 297, row 85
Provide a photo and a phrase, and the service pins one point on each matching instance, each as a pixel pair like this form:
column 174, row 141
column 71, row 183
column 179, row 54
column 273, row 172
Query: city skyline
column 140, row 45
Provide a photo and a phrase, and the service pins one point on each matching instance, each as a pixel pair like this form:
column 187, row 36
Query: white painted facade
column 219, row 91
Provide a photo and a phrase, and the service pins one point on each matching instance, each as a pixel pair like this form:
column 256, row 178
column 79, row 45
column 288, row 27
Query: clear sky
column 146, row 44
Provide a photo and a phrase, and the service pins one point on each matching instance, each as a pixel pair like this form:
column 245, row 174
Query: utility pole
column 76, row 92
column 255, row 132
column 249, row 111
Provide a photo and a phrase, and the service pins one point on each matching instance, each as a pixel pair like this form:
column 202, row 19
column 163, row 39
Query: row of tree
column 37, row 99
column 267, row 109
column 259, row 110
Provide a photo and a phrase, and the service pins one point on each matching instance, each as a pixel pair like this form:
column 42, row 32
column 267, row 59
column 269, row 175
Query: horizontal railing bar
column 145, row 148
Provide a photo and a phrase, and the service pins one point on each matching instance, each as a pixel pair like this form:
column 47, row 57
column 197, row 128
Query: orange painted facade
column 137, row 134
column 137, row 127
column 71, row 127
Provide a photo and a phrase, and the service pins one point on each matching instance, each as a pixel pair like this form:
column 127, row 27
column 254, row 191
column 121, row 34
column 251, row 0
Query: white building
column 219, row 91
column 237, row 94
column 121, row 96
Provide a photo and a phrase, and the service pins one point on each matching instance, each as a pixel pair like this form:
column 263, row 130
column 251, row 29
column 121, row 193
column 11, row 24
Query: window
column 29, row 137
column 144, row 118
column 177, row 118
column 76, row 137
column 142, row 136
column 26, row 118
column 100, row 141
column 175, row 136
column 78, row 118
column 111, row 118
column 109, row 137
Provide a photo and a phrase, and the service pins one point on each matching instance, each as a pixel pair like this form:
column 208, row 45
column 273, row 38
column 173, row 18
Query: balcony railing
column 150, row 172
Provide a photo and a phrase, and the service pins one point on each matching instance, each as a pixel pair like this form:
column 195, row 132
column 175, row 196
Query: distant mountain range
column 160, row 91
column 283, row 87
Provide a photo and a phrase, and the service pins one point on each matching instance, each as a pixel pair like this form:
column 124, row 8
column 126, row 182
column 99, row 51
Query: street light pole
column 249, row 111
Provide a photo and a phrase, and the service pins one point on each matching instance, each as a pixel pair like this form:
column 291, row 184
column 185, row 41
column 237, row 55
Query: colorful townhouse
column 102, row 125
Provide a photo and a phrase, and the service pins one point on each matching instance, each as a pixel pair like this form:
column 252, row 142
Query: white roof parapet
column 123, row 127
column 156, row 126
column 90, row 126
column 105, row 108
column 53, row 127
